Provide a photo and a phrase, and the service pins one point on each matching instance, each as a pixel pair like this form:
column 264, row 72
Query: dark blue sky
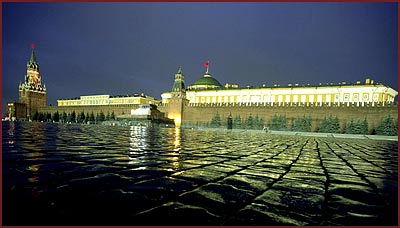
column 125, row 48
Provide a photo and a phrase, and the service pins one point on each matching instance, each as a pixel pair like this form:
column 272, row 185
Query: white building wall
column 348, row 94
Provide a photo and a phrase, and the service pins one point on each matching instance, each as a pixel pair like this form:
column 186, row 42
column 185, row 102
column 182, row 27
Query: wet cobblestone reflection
column 98, row 175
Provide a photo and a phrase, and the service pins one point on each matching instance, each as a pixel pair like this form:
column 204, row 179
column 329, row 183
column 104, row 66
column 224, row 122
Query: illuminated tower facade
column 31, row 92
column 178, row 99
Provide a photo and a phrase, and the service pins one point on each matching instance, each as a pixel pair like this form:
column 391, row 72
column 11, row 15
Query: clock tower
column 31, row 92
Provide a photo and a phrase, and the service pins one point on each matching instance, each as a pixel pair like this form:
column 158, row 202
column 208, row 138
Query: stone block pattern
column 195, row 177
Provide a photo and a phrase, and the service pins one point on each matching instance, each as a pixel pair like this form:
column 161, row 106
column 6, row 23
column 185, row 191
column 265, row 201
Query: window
column 295, row 98
column 319, row 98
column 346, row 97
column 365, row 96
column 303, row 98
column 375, row 98
column 355, row 97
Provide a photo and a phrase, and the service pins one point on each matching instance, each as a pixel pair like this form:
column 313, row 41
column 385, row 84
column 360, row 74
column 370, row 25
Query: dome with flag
column 205, row 82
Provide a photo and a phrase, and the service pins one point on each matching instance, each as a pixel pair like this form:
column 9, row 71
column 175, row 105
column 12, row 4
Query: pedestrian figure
column 266, row 129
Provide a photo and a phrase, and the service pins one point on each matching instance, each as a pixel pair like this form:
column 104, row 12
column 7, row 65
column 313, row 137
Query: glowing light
column 177, row 121
column 177, row 142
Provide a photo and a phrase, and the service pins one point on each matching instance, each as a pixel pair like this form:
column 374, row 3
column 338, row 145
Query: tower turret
column 178, row 100
column 179, row 89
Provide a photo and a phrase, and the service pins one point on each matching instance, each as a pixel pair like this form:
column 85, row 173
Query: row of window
column 346, row 97
column 102, row 102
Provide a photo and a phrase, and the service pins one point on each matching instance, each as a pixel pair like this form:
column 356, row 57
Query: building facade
column 101, row 100
column 207, row 90
column 16, row 110
column 206, row 98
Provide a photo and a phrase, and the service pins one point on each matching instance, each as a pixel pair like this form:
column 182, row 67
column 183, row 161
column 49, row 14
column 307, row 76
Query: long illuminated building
column 207, row 90
column 98, row 100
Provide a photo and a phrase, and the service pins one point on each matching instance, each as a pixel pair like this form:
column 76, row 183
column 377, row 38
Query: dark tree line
column 330, row 124
column 249, row 123
column 73, row 117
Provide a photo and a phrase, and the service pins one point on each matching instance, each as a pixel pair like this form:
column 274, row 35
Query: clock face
column 35, row 79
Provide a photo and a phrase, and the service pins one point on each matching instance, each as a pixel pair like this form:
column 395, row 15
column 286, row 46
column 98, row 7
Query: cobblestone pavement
column 279, row 180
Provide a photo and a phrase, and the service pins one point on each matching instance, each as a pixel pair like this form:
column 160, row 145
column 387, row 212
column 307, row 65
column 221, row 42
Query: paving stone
column 355, row 192
column 176, row 214
column 269, row 180
column 303, row 203
column 95, row 183
column 347, row 179
column 220, row 199
column 263, row 215
column 248, row 182
column 163, row 184
column 199, row 175
column 261, row 173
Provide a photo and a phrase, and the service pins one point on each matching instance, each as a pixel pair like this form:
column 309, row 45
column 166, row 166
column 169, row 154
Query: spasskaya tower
column 31, row 92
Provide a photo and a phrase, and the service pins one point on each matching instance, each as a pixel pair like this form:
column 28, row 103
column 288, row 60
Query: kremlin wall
column 197, row 104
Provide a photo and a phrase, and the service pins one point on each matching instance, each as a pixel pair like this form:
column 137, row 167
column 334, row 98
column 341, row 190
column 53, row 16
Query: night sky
column 126, row 48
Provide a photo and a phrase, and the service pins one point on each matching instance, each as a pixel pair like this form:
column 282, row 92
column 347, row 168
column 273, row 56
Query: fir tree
column 91, row 118
column 278, row 123
column 73, row 117
column 56, row 117
column 249, row 122
column 364, row 127
column 237, row 122
column 256, row 122
column 64, row 117
column 69, row 119
column 349, row 127
column 330, row 125
column 35, row 116
column 387, row 126
column 41, row 116
column 101, row 116
column 216, row 120
column 48, row 116
column 81, row 117
column 302, row 124
column 261, row 123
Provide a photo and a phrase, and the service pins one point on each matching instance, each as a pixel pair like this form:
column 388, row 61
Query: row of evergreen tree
column 330, row 124
column 249, row 123
column 387, row 126
column 72, row 117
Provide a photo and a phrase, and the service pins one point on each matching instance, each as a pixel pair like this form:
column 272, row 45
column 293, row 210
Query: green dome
column 206, row 82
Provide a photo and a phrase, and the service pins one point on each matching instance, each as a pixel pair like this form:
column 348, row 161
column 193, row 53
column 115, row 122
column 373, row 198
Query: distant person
column 266, row 129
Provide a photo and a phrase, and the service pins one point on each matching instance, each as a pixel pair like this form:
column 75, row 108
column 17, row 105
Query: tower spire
column 179, row 84
column 32, row 61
